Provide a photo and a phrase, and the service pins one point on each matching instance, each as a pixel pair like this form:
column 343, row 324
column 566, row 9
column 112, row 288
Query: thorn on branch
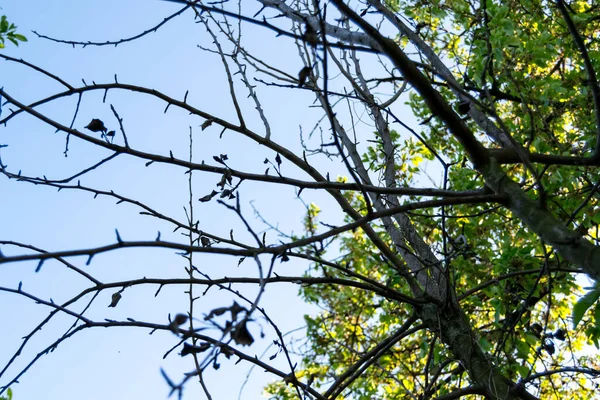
column 259, row 11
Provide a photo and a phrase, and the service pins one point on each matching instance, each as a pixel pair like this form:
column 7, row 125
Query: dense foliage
column 518, row 62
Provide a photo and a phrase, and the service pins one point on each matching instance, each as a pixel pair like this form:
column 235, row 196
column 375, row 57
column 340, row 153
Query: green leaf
column 585, row 303
column 522, row 349
column 8, row 395
column 485, row 344
column 522, row 370
column 3, row 24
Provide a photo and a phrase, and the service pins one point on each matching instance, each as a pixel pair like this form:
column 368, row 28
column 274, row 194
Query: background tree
column 443, row 250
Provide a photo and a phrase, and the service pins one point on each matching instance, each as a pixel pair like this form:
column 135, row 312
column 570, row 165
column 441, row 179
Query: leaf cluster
column 8, row 31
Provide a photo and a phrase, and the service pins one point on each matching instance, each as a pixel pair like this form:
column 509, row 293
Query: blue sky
column 125, row 363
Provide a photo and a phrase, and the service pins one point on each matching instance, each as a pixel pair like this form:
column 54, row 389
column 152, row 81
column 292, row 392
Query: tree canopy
column 446, row 169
